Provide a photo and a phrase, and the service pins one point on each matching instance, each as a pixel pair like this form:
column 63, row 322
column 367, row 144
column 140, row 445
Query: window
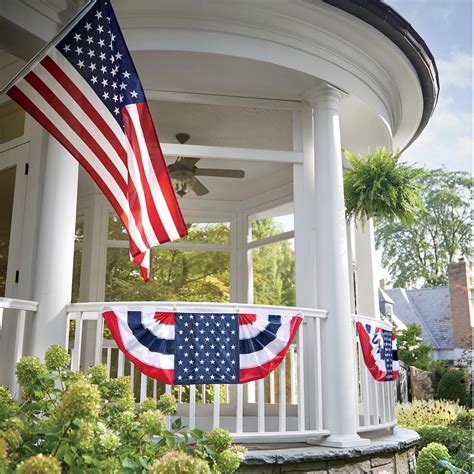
column 180, row 271
column 274, row 274
column 273, row 256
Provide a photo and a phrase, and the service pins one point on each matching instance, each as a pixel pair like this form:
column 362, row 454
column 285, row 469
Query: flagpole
column 62, row 32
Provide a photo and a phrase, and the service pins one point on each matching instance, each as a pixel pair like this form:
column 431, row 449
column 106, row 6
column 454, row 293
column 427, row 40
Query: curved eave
column 391, row 24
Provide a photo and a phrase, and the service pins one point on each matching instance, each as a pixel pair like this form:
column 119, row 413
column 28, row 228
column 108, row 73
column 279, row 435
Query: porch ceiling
column 259, row 177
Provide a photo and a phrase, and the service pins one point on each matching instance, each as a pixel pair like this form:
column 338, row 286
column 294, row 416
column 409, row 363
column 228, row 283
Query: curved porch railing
column 286, row 405
column 267, row 410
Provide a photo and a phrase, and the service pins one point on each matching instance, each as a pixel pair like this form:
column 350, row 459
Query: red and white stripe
column 128, row 167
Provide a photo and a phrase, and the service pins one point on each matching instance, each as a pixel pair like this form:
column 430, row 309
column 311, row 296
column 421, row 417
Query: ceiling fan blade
column 221, row 173
column 199, row 188
column 188, row 162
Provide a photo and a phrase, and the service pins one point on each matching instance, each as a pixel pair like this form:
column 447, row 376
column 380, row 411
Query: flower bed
column 442, row 422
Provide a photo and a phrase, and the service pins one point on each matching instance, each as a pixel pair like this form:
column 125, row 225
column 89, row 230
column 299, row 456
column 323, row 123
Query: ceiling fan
column 183, row 172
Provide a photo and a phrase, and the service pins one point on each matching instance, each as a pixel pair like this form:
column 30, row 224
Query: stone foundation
column 394, row 453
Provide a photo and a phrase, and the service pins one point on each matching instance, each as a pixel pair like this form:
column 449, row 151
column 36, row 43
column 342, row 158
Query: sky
column 446, row 27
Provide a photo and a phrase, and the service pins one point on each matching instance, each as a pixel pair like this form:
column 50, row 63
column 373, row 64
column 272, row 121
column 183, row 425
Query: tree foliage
column 411, row 348
column 177, row 275
column 420, row 253
column 377, row 185
column 202, row 275
column 273, row 267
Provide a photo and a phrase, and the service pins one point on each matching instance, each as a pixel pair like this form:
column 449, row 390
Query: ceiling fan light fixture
column 182, row 181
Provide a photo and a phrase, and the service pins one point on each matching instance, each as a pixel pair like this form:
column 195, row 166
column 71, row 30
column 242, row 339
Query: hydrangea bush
column 70, row 422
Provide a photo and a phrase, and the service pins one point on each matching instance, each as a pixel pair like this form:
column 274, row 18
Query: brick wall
column 461, row 310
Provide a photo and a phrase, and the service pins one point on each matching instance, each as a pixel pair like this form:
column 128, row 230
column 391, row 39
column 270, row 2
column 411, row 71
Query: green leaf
column 129, row 463
column 143, row 463
column 88, row 459
column 62, row 450
column 170, row 440
column 197, row 434
column 68, row 458
column 77, row 423
column 177, row 424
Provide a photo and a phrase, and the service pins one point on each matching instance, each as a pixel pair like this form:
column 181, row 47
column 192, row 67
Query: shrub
column 427, row 412
column 427, row 461
column 464, row 419
column 457, row 441
column 72, row 423
column 451, row 387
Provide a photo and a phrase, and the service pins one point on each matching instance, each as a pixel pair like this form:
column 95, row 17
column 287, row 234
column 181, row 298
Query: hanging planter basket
column 378, row 185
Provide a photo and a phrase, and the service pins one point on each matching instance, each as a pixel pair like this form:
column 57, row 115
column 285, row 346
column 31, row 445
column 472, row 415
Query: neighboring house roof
column 430, row 308
column 384, row 297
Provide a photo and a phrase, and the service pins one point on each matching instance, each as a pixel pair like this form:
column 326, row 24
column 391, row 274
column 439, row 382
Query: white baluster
column 282, row 397
column 216, row 406
column 300, row 386
column 261, row 406
column 120, row 363
column 239, row 415
column 192, row 407
column 132, row 375
column 292, row 375
column 272, row 387
column 99, row 340
column 109, row 361
column 143, row 387
column 319, row 380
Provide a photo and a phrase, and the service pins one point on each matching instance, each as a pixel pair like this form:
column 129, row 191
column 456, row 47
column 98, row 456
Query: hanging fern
column 377, row 185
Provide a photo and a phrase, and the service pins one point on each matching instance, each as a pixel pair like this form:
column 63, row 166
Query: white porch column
column 366, row 286
column 55, row 252
column 333, row 293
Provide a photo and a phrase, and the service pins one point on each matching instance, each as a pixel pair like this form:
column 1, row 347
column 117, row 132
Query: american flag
column 201, row 348
column 86, row 92
column 379, row 350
